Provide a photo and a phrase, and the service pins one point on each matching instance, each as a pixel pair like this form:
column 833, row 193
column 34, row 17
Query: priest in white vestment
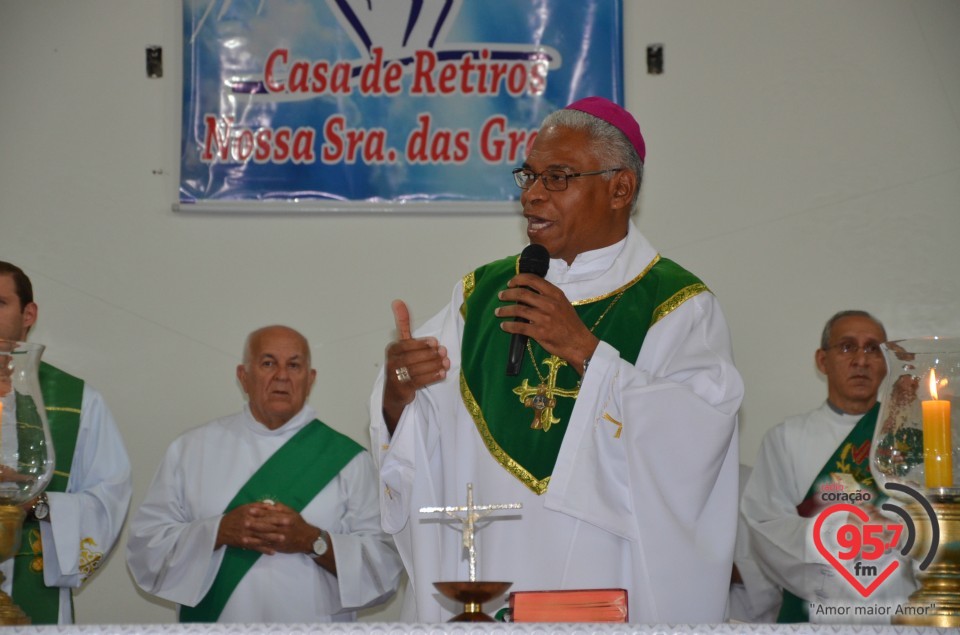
column 825, row 447
column 267, row 515
column 618, row 434
column 71, row 528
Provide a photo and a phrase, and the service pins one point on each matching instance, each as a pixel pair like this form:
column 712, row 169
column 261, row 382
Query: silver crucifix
column 471, row 514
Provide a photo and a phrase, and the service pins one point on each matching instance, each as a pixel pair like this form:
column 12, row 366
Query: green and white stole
column 851, row 457
column 293, row 475
column 522, row 419
column 62, row 398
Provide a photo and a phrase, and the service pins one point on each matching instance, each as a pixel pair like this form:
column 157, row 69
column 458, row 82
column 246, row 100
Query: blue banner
column 380, row 103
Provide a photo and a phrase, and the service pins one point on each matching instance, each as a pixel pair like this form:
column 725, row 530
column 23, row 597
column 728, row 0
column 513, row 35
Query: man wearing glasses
column 826, row 450
column 618, row 434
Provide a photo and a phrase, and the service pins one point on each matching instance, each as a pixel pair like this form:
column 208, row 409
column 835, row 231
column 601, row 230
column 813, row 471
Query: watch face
column 41, row 510
column 320, row 546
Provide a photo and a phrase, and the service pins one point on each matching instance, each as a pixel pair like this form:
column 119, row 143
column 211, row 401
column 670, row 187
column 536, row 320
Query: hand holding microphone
column 536, row 260
column 540, row 310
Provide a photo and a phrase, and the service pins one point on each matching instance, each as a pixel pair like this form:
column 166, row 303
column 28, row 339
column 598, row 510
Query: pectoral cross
column 543, row 398
column 471, row 514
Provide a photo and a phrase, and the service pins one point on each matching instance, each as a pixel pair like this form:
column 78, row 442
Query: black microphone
column 534, row 259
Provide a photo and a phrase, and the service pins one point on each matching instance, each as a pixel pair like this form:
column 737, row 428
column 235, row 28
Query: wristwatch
column 41, row 508
column 320, row 545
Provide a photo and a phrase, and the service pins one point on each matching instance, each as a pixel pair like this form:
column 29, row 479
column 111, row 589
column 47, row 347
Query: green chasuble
column 522, row 419
column 301, row 468
column 851, row 457
column 62, row 398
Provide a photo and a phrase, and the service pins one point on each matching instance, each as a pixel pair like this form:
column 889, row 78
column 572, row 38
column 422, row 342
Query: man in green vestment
column 70, row 528
column 811, row 461
column 617, row 434
column 267, row 515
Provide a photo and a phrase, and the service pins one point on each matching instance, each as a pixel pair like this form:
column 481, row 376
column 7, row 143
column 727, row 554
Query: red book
column 574, row 605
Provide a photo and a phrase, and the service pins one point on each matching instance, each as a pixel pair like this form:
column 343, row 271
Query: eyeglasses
column 850, row 348
column 553, row 180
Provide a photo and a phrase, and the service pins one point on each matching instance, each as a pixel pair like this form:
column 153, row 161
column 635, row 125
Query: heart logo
column 844, row 508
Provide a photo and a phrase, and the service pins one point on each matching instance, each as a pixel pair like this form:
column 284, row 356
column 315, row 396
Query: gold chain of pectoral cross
column 543, row 398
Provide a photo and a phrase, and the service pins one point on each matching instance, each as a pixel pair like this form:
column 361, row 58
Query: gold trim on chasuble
column 470, row 402
column 677, row 299
column 539, row 486
column 469, row 284
column 626, row 286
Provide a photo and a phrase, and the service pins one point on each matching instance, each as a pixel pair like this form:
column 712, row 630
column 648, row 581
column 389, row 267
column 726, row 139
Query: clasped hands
column 266, row 527
column 551, row 321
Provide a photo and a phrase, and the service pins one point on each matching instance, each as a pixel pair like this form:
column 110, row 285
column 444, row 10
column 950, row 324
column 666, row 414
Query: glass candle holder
column 917, row 433
column 26, row 451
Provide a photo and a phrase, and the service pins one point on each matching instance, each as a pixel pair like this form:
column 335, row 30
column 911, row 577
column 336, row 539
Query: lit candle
column 937, row 443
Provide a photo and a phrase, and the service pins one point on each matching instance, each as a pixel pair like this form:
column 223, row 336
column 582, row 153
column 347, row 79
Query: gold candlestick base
column 937, row 601
column 11, row 525
column 473, row 595
column 10, row 613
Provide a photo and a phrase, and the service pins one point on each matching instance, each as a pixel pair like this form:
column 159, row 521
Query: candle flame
column 934, row 383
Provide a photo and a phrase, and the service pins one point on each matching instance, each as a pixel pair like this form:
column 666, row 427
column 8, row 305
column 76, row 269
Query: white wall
column 803, row 157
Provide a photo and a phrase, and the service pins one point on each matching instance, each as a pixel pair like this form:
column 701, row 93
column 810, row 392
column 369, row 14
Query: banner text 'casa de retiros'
column 381, row 100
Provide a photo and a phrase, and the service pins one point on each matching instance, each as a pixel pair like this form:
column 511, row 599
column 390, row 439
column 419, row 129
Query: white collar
column 302, row 418
column 586, row 266
column 602, row 270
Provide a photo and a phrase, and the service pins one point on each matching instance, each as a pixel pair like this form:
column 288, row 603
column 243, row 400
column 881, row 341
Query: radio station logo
column 858, row 544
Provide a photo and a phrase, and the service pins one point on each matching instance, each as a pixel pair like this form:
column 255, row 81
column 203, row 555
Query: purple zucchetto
column 616, row 116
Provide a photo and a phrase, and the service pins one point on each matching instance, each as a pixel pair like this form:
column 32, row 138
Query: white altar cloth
column 463, row 628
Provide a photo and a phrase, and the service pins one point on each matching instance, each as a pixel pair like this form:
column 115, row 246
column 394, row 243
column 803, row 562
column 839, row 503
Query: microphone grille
column 534, row 259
